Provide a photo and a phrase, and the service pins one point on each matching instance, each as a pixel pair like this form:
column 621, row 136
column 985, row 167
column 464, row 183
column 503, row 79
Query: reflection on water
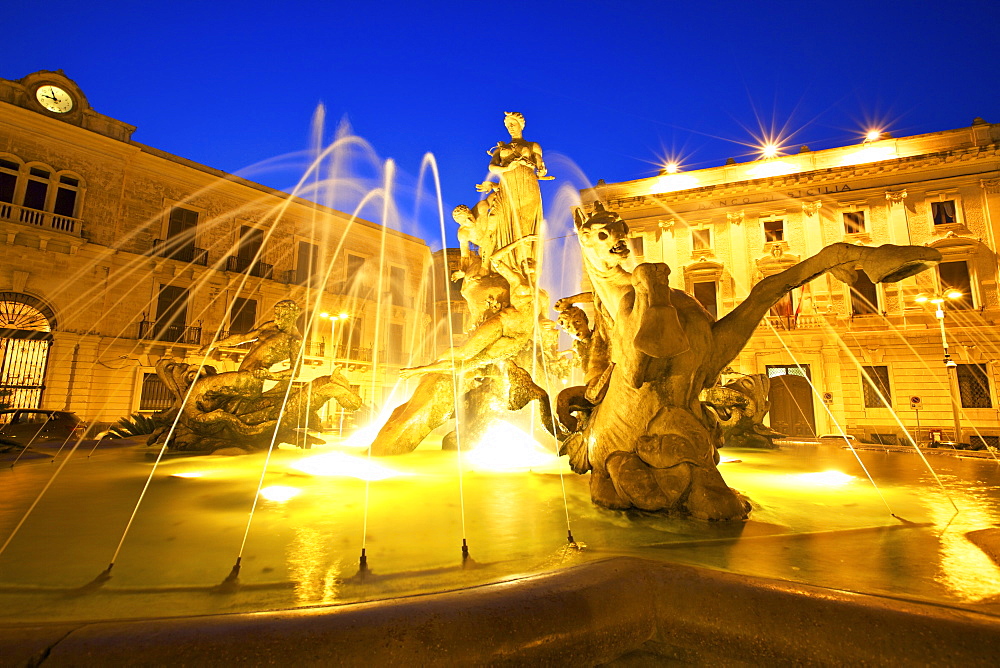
column 964, row 568
column 816, row 520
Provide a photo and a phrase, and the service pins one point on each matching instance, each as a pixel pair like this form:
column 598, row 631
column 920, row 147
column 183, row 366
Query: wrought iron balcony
column 176, row 333
column 246, row 265
column 182, row 252
column 302, row 278
column 15, row 213
column 353, row 353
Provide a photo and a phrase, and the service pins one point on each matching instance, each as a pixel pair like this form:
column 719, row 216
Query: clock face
column 54, row 98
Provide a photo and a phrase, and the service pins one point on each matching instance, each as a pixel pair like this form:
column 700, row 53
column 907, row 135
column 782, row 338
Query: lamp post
column 952, row 368
column 333, row 348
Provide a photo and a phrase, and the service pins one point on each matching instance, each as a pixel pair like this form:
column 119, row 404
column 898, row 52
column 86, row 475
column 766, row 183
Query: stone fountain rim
column 592, row 613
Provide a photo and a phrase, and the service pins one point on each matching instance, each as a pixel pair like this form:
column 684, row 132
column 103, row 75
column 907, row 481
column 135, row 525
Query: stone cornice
column 822, row 177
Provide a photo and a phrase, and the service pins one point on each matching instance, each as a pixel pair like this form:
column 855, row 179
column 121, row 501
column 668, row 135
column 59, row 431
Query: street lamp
column 333, row 341
column 949, row 363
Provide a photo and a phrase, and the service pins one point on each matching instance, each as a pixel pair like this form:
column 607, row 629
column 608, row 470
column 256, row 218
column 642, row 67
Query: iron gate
column 24, row 356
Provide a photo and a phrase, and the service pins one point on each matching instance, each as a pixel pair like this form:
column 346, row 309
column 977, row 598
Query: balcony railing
column 353, row 353
column 184, row 253
column 298, row 277
column 15, row 213
column 152, row 331
column 246, row 265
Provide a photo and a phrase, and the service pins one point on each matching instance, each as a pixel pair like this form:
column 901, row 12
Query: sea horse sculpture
column 638, row 424
column 214, row 411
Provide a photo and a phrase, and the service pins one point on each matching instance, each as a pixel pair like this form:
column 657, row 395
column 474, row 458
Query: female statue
column 517, row 203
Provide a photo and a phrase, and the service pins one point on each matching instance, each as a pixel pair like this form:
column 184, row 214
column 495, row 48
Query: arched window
column 10, row 172
column 26, row 324
column 39, row 195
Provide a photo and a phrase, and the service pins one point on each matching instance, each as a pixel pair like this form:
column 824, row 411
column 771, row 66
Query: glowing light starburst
column 280, row 493
column 504, row 447
column 341, row 464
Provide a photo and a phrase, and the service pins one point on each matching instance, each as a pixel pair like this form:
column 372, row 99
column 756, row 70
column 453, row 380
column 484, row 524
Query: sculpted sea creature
column 638, row 424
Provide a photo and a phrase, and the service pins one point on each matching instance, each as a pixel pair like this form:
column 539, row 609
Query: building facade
column 115, row 254
column 866, row 358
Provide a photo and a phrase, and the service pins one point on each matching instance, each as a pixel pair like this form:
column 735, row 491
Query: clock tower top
column 55, row 95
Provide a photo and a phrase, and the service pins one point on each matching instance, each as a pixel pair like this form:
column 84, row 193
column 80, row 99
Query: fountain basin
column 624, row 609
column 819, row 532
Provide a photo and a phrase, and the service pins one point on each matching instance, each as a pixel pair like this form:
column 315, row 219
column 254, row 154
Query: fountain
column 827, row 568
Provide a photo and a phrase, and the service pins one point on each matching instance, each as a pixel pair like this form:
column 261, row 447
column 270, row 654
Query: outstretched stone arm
column 232, row 340
column 884, row 264
column 582, row 298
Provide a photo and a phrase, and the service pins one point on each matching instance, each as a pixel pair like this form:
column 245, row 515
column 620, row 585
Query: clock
column 54, row 98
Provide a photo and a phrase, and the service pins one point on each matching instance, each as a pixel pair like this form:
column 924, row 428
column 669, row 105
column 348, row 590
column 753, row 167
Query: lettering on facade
column 772, row 197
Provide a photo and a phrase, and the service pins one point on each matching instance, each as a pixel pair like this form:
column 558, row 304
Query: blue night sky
column 609, row 89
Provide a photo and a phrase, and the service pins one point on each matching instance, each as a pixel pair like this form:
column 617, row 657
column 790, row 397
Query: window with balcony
column 181, row 237
column 171, row 318
column 954, row 275
column 974, row 386
column 875, row 381
column 308, row 270
column 248, row 254
column 38, row 195
column 864, row 296
column 9, row 171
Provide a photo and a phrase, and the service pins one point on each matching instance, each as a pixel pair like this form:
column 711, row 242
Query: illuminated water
column 829, row 530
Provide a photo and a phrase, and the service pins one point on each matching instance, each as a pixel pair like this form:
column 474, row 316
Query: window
column 36, row 190
column 974, row 386
column 864, row 296
column 707, row 295
column 307, row 267
column 154, row 395
column 180, row 242
column 701, row 238
column 774, row 230
column 637, row 246
column 355, row 264
column 955, row 276
column 774, row 370
column 242, row 316
column 397, row 285
column 8, row 180
column 251, row 239
column 171, row 313
column 457, row 322
column 944, row 213
column 66, row 194
column 875, row 380
column 395, row 343
column 854, row 222
column 354, row 328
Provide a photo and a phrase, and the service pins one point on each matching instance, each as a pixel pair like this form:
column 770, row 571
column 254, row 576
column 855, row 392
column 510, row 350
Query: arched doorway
column 791, row 400
column 26, row 325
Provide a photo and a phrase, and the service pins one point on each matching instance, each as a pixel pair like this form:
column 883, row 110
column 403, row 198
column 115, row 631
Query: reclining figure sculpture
column 638, row 424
